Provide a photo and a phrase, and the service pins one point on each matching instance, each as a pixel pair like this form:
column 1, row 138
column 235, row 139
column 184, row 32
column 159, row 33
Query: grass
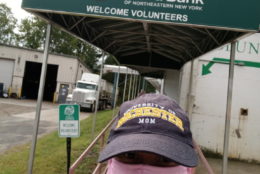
column 50, row 155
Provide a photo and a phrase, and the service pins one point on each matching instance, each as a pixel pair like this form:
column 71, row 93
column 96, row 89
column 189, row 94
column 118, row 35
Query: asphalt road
column 17, row 119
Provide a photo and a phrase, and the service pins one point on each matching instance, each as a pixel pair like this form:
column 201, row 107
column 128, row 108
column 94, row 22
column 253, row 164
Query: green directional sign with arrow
column 206, row 68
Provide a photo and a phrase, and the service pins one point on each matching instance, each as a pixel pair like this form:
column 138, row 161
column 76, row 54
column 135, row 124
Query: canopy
column 151, row 35
column 119, row 69
column 161, row 34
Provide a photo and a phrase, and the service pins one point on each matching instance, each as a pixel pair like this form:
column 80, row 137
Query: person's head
column 152, row 130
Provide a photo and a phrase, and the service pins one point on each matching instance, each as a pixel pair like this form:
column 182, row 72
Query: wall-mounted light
column 36, row 56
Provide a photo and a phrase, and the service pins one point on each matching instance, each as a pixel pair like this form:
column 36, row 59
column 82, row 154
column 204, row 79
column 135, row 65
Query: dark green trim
column 206, row 68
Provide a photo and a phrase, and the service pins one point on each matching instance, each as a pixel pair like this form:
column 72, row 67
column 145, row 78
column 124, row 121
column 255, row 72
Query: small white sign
column 69, row 128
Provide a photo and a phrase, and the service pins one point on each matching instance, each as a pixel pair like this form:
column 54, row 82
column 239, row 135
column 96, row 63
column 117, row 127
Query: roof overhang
column 152, row 35
column 119, row 69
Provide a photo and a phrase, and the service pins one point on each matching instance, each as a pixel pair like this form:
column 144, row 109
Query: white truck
column 85, row 93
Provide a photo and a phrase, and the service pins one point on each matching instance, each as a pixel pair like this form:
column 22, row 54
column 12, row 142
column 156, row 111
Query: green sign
column 69, row 121
column 206, row 68
column 236, row 14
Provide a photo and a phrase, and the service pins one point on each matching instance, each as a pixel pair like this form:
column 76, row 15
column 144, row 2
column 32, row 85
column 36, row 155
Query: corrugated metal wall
column 210, row 95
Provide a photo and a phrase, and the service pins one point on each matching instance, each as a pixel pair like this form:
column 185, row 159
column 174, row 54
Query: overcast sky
column 15, row 6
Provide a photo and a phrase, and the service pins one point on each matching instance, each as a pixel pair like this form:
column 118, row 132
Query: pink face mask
column 116, row 167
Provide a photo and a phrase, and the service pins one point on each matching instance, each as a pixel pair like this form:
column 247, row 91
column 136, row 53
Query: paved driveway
column 17, row 119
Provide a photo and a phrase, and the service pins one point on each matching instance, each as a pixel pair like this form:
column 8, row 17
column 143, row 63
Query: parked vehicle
column 85, row 93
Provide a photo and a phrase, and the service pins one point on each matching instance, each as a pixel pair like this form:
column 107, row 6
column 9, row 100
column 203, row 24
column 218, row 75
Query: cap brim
column 165, row 146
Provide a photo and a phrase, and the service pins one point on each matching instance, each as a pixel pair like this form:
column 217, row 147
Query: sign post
column 69, row 126
column 39, row 99
column 68, row 145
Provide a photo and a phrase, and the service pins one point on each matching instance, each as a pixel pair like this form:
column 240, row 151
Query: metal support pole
column 114, row 88
column 132, row 87
column 39, row 99
column 125, row 85
column 97, row 97
column 139, row 85
column 132, row 93
column 162, row 86
column 143, row 81
column 189, row 96
column 135, row 86
column 145, row 85
column 129, row 89
column 228, row 108
column 117, row 82
column 68, row 144
column 136, row 80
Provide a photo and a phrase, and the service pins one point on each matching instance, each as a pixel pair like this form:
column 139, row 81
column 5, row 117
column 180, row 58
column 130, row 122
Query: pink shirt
column 116, row 167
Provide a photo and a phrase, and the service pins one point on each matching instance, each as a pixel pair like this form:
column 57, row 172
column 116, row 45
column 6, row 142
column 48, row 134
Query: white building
column 20, row 71
column 209, row 96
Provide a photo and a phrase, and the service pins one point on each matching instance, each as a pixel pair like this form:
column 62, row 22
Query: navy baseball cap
column 152, row 123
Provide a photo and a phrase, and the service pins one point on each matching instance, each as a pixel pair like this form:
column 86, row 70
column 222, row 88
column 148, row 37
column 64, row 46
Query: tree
column 7, row 25
column 89, row 54
column 32, row 35
column 63, row 43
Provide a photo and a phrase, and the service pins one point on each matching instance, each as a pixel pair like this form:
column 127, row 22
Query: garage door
column 6, row 72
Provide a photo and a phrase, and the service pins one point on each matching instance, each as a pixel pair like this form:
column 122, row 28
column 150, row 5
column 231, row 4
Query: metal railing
column 202, row 158
column 101, row 137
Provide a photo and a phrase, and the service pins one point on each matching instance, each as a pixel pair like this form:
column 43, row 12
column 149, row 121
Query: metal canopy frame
column 145, row 44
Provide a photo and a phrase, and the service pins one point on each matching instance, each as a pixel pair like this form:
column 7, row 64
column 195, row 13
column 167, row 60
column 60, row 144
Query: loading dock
column 32, row 78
